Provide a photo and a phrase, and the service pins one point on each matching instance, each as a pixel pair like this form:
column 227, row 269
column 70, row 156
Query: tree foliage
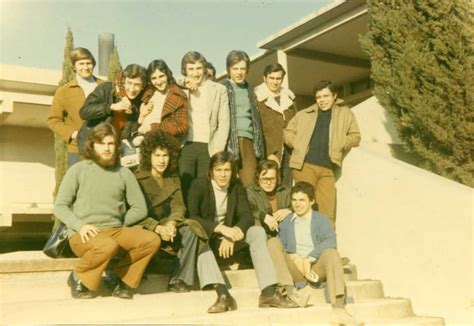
column 114, row 65
column 422, row 67
column 60, row 146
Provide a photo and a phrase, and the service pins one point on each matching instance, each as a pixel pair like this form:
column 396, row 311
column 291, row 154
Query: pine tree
column 114, row 65
column 422, row 67
column 60, row 146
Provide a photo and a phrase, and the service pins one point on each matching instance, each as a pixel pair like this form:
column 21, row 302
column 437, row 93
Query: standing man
column 276, row 106
column 63, row 117
column 320, row 136
column 107, row 104
column 246, row 139
column 208, row 120
column 97, row 201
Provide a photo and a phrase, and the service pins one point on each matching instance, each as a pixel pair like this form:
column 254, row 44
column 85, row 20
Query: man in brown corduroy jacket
column 63, row 116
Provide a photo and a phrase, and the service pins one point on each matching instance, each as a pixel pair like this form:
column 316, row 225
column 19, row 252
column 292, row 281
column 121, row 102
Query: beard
column 106, row 163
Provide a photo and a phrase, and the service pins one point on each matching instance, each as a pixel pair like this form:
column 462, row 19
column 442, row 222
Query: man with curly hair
column 162, row 189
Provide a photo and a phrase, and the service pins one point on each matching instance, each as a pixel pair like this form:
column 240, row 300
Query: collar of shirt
column 307, row 215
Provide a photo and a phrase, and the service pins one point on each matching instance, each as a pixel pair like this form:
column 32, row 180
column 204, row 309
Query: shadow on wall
column 23, row 144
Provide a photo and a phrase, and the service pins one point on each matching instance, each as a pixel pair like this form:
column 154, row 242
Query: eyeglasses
column 267, row 180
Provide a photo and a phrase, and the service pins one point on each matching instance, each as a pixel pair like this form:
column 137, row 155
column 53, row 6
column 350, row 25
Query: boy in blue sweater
column 310, row 241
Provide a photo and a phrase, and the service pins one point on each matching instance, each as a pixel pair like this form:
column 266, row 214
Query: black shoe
column 277, row 300
column 78, row 290
column 223, row 303
column 122, row 291
column 179, row 287
column 110, row 280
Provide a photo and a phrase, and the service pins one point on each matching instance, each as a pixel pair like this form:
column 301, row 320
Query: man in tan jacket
column 63, row 117
column 320, row 136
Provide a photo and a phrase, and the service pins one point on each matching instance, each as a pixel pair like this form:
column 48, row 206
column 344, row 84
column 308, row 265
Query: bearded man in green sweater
column 97, row 200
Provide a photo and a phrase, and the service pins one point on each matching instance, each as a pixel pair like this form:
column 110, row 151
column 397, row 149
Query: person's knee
column 105, row 249
column 256, row 234
column 150, row 239
column 331, row 254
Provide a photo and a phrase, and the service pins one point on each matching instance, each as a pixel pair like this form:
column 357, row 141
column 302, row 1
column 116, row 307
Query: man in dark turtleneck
column 321, row 135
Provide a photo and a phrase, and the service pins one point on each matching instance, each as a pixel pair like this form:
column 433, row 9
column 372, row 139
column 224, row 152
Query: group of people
column 216, row 173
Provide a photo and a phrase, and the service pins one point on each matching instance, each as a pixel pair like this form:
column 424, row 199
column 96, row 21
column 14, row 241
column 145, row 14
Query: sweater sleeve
column 137, row 206
column 327, row 237
column 65, row 199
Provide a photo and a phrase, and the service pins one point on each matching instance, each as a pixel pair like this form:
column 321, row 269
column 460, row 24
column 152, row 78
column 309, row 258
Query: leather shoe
column 277, row 300
column 122, row 291
column 78, row 290
column 223, row 303
column 179, row 287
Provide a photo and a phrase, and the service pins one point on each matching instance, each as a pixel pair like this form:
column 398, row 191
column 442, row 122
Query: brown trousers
column 248, row 161
column 138, row 246
column 324, row 183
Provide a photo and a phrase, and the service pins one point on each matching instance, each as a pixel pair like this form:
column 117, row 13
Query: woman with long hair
column 165, row 105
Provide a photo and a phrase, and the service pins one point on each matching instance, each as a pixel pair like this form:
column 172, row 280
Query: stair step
column 55, row 282
column 184, row 308
column 410, row 321
column 37, row 261
column 360, row 289
column 45, row 298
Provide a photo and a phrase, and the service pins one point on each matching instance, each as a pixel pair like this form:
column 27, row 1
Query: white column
column 282, row 59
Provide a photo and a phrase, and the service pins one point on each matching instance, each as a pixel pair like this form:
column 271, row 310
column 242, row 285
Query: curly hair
column 159, row 139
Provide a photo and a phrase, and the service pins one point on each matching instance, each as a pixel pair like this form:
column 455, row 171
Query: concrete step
column 45, row 298
column 37, row 261
column 173, row 308
column 55, row 282
column 410, row 321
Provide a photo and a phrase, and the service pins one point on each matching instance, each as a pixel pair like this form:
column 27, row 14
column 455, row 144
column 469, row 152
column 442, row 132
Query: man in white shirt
column 208, row 120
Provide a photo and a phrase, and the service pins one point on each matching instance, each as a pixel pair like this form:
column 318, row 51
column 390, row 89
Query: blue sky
column 32, row 32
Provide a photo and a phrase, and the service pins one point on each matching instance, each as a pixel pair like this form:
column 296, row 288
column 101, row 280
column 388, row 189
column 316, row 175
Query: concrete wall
column 26, row 171
column 411, row 229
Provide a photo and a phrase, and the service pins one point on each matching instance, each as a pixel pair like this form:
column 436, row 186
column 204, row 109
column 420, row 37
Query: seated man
column 219, row 203
column 310, row 241
column 92, row 202
column 160, row 184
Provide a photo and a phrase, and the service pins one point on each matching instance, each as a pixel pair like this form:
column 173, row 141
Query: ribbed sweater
column 90, row 194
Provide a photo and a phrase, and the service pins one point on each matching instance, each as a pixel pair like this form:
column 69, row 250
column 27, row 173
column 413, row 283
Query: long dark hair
column 160, row 65
column 163, row 140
